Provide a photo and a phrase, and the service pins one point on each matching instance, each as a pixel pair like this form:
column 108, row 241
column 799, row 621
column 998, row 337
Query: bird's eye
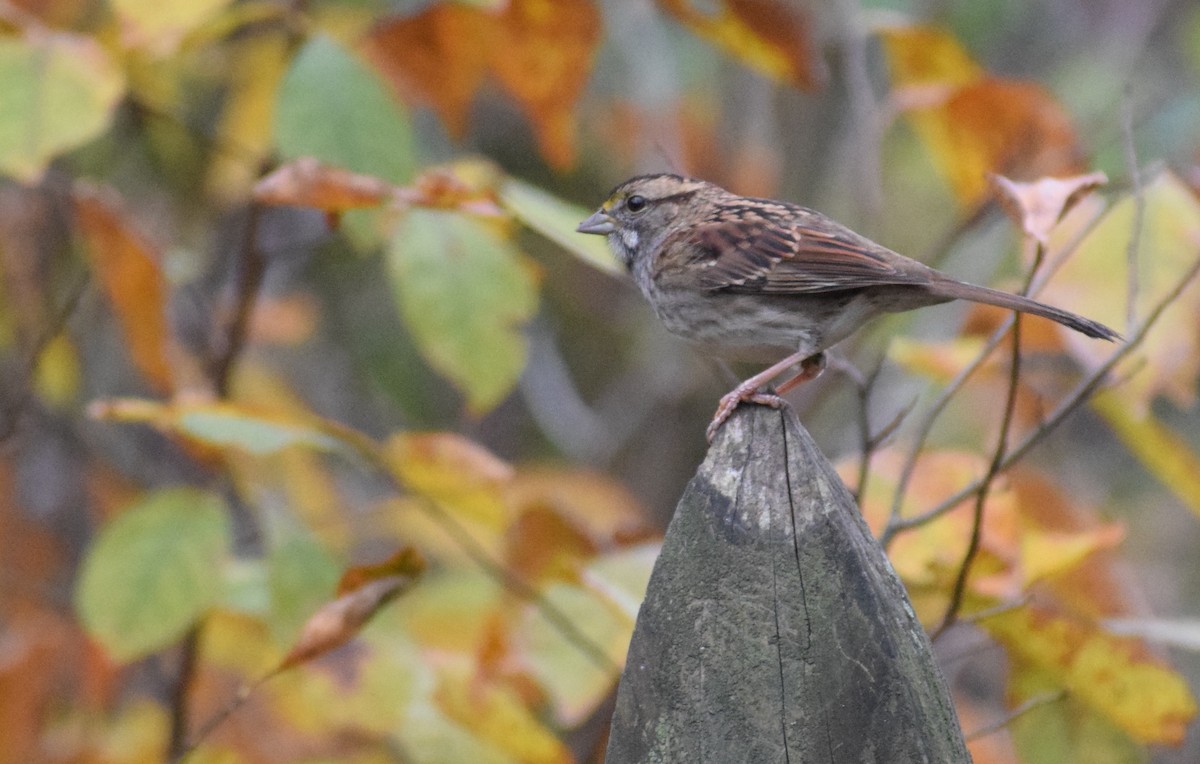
column 635, row 203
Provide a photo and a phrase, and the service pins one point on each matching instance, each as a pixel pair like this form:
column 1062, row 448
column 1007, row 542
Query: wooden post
column 774, row 629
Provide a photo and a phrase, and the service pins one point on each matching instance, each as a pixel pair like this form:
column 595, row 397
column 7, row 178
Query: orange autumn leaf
column 362, row 593
column 769, row 36
column 975, row 124
column 438, row 56
column 542, row 55
column 540, row 52
column 1112, row 675
column 998, row 126
column 308, row 182
column 127, row 267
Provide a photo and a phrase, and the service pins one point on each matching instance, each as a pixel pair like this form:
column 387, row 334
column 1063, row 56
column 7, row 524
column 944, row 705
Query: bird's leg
column 747, row 391
column 810, row 368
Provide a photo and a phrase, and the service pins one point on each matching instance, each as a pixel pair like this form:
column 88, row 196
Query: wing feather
column 768, row 247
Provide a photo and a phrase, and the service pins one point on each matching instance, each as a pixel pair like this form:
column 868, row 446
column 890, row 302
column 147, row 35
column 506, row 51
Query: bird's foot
column 743, row 393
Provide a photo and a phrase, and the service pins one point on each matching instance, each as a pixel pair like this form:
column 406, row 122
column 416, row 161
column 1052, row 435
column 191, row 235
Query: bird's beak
column 599, row 223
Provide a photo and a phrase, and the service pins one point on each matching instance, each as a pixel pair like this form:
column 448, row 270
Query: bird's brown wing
column 766, row 247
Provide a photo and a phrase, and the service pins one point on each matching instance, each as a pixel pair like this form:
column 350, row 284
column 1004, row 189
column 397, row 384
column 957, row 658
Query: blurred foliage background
column 306, row 376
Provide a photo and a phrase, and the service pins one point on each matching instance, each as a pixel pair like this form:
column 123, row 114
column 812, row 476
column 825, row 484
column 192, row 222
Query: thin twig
column 251, row 270
column 1037, row 701
column 1082, row 392
column 1010, row 406
column 867, row 443
column 1139, row 209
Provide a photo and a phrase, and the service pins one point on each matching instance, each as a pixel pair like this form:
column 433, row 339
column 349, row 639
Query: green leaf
column 465, row 292
column 153, row 571
column 59, row 91
column 301, row 576
column 228, row 425
column 557, row 220
column 332, row 107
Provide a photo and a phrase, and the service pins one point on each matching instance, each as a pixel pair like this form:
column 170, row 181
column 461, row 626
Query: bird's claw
column 731, row 400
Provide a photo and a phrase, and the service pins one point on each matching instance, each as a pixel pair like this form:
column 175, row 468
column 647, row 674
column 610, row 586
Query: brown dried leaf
column 339, row 620
column 308, row 182
column 127, row 266
column 769, row 36
column 542, row 55
column 1038, row 206
column 406, row 561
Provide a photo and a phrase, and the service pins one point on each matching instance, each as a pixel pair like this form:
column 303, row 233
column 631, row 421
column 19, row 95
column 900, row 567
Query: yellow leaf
column 922, row 56
column 1095, row 282
column 999, row 126
column 570, row 676
column 927, row 557
column 769, row 36
column 1060, row 728
column 1166, row 455
column 939, row 361
column 159, row 26
column 1112, row 675
column 1047, row 553
column 59, row 92
column 246, row 122
column 57, row 376
column 496, row 715
column 452, row 470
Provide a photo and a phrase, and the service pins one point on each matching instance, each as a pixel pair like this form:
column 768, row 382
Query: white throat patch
column 629, row 238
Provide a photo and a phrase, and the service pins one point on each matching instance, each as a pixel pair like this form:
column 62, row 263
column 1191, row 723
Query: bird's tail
column 962, row 291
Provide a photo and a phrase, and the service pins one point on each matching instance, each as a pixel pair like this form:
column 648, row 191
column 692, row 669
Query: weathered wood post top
column 774, row 629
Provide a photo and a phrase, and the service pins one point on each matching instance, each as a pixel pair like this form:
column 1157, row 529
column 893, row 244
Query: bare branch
column 925, row 427
column 1010, row 407
column 251, row 269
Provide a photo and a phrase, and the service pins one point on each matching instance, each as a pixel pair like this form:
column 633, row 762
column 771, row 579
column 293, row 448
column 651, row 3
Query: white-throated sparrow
column 754, row 278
